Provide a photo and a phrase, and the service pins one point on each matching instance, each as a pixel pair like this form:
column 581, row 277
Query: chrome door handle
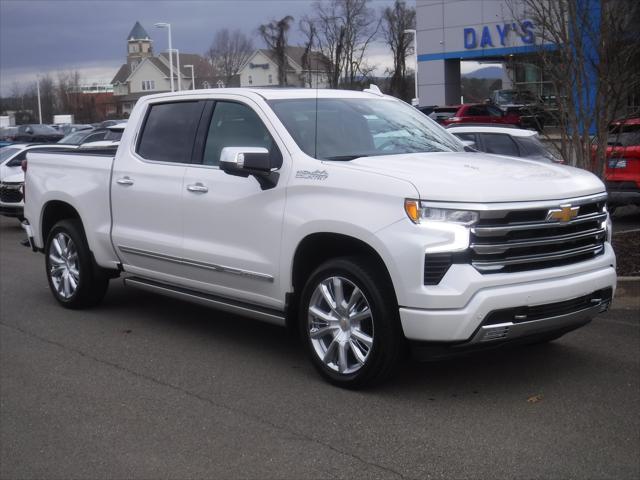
column 124, row 181
column 198, row 188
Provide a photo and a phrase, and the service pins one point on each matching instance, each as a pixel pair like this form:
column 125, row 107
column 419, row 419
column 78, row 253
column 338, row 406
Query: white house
column 145, row 73
column 261, row 69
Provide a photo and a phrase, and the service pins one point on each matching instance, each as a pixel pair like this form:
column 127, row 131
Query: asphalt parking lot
column 149, row 387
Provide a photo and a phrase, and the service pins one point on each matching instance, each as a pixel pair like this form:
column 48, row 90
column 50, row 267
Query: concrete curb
column 628, row 280
column 628, row 293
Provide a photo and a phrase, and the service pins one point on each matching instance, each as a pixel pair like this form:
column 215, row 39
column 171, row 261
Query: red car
column 622, row 171
column 482, row 113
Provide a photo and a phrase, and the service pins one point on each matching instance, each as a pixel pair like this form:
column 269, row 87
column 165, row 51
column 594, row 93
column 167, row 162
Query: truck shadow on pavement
column 267, row 346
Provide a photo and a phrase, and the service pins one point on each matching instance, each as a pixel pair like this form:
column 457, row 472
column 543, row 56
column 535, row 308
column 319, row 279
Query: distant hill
column 490, row 73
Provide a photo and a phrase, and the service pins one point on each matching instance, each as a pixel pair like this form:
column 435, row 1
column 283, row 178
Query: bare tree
column 47, row 98
column 70, row 98
column 345, row 28
column 395, row 20
column 274, row 35
column 592, row 59
column 308, row 29
column 229, row 51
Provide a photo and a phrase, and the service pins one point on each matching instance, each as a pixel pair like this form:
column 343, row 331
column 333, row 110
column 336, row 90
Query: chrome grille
column 528, row 239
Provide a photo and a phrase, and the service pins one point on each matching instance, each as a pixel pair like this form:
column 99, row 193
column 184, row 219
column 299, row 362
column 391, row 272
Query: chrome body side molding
column 195, row 263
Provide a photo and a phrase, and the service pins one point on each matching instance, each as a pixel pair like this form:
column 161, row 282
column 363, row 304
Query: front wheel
column 73, row 278
column 349, row 322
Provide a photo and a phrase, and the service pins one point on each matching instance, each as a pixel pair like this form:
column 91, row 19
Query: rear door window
column 169, row 132
column 500, row 144
column 469, row 137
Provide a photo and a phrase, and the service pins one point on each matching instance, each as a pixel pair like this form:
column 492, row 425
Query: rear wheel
column 349, row 322
column 73, row 278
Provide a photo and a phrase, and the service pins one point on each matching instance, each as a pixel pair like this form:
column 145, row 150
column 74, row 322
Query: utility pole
column 415, row 57
column 39, row 103
column 193, row 78
column 168, row 27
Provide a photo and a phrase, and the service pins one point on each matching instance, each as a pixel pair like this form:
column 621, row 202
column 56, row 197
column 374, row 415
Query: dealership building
column 451, row 31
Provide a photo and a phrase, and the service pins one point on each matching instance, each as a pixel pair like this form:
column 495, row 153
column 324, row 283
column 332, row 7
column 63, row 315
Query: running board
column 232, row 306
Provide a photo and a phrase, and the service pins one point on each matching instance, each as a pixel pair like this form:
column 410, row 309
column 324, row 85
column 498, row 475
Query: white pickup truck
column 349, row 216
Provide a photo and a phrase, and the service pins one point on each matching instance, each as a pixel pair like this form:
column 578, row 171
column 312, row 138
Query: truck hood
column 483, row 178
column 7, row 172
column 14, row 178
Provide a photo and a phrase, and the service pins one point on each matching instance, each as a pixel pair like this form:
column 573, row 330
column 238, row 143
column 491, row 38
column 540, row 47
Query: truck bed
column 81, row 179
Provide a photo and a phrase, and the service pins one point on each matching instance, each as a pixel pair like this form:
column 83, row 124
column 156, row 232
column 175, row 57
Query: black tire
column 386, row 350
column 91, row 283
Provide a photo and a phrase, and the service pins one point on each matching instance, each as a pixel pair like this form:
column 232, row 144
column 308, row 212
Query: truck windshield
column 348, row 128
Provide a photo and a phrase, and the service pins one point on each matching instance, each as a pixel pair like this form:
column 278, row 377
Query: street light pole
column 168, row 27
column 179, row 73
column 415, row 57
column 193, row 78
column 39, row 104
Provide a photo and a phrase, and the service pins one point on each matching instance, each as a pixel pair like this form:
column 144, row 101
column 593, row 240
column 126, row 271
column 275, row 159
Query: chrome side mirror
column 256, row 161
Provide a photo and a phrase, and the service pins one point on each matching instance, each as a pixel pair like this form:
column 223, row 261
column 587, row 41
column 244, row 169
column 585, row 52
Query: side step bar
column 232, row 306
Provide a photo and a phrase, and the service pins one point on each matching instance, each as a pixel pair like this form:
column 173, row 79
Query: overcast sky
column 47, row 36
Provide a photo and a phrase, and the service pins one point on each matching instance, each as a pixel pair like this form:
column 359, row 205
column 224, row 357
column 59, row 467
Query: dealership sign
column 497, row 36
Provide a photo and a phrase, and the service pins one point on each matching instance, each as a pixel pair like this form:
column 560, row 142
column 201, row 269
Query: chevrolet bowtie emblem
column 563, row 214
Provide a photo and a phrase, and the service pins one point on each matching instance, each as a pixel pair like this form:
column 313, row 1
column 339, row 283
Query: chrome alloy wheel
column 340, row 325
column 64, row 268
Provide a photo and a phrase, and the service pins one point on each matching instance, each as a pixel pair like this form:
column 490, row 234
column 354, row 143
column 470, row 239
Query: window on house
column 148, row 85
column 250, row 80
column 270, row 78
column 133, row 48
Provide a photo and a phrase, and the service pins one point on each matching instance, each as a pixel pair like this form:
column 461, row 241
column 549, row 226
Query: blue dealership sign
column 485, row 37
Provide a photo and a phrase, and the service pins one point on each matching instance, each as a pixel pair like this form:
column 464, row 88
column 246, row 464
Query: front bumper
column 464, row 324
column 26, row 226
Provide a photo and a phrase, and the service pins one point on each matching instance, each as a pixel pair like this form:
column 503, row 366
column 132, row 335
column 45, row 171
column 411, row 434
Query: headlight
column 419, row 213
column 608, row 226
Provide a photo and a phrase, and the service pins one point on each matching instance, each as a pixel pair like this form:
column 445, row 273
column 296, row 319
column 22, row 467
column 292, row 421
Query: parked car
column 72, row 127
column 427, row 109
column 110, row 140
column 110, row 123
column 8, row 135
column 440, row 114
column 78, row 138
column 622, row 171
column 36, row 133
column 479, row 113
column 525, row 104
column 345, row 215
column 515, row 142
column 12, row 176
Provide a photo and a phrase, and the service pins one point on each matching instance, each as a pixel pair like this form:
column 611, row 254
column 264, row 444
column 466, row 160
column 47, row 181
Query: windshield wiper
column 345, row 158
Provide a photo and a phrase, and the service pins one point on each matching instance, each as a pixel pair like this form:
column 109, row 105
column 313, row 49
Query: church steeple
column 139, row 45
